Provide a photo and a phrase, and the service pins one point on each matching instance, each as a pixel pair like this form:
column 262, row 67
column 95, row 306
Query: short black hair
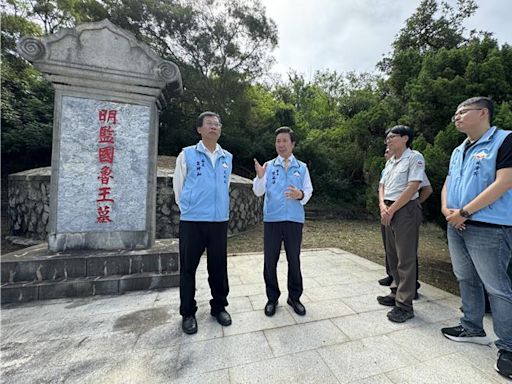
column 200, row 119
column 402, row 130
column 480, row 102
column 293, row 136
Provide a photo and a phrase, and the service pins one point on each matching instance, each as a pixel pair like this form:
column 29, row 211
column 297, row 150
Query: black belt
column 388, row 202
column 488, row 225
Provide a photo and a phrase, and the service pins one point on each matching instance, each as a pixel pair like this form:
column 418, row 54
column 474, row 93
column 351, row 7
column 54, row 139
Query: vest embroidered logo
column 481, row 155
column 224, row 165
column 297, row 174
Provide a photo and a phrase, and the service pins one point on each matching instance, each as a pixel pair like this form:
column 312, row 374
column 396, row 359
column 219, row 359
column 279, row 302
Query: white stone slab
column 211, row 355
column 303, row 337
column 364, row 358
column 300, row 368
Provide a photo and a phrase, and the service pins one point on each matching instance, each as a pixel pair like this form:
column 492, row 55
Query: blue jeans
column 480, row 257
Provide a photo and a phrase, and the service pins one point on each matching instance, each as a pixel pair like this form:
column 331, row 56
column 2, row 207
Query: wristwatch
column 464, row 214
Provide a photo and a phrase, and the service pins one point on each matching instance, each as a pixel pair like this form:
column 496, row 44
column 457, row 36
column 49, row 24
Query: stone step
column 38, row 264
column 34, row 273
column 86, row 286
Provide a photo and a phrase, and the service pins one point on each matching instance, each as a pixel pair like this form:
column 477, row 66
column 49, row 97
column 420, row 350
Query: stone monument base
column 37, row 274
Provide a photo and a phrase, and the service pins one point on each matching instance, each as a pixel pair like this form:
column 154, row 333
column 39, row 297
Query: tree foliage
column 224, row 49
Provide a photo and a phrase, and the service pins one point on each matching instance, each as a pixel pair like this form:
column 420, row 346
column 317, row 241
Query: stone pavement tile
column 373, row 323
column 239, row 304
column 215, row 377
column 364, row 358
column 360, row 261
column 377, row 379
column 484, row 360
column 319, row 310
column 18, row 313
column 301, row 368
column 429, row 293
column 58, row 328
column 256, row 321
column 303, row 337
column 316, row 270
column 169, row 296
column 211, row 355
column 337, row 279
column 365, row 303
column 369, row 276
column 345, row 290
column 170, row 333
column 448, row 369
column 427, row 342
column 435, row 311
column 22, row 358
column 236, row 304
column 246, row 289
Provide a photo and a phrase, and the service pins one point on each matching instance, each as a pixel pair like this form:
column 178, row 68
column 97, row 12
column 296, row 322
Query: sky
column 353, row 35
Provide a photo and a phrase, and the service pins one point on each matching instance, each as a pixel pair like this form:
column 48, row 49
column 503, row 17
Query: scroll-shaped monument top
column 103, row 56
column 108, row 88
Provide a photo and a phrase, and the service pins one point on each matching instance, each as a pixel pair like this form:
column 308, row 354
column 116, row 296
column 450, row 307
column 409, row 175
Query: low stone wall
column 29, row 208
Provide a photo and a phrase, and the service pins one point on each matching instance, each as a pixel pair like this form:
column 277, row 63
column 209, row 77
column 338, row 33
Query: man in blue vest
column 477, row 202
column 201, row 190
column 286, row 184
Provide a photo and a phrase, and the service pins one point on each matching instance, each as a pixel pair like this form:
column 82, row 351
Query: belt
column 388, row 202
column 487, row 225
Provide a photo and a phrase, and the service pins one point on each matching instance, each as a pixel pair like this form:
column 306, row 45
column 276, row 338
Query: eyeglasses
column 390, row 137
column 217, row 125
column 462, row 112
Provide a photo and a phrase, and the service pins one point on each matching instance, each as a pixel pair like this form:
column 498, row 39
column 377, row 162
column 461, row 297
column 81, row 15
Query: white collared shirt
column 399, row 172
column 259, row 185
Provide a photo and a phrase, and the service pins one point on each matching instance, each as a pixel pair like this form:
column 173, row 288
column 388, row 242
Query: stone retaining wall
column 28, row 208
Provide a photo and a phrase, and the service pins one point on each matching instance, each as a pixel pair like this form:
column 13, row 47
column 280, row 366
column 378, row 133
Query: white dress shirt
column 259, row 185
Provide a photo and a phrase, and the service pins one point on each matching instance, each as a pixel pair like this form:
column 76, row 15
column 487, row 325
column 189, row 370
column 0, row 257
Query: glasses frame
column 391, row 136
column 462, row 112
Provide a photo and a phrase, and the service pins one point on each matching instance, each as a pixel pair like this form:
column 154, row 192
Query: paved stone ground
column 344, row 338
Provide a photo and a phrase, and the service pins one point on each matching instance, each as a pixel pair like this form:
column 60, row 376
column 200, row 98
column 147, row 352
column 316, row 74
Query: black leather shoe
column 223, row 318
column 388, row 301
column 189, row 325
column 297, row 306
column 270, row 308
column 386, row 281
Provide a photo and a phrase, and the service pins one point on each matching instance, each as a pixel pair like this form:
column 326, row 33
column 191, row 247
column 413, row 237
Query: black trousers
column 274, row 234
column 195, row 237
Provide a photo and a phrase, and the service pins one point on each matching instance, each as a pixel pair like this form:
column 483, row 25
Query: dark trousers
column 388, row 272
column 402, row 237
column 274, row 234
column 195, row 237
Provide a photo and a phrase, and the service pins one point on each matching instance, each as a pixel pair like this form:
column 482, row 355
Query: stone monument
column 109, row 88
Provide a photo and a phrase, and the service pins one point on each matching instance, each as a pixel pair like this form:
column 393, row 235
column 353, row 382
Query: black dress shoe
column 297, row 306
column 189, row 325
column 388, row 301
column 386, row 281
column 270, row 308
column 223, row 318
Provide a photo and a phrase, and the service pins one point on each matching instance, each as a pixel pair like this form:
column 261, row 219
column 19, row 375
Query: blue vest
column 470, row 175
column 276, row 206
column 205, row 193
